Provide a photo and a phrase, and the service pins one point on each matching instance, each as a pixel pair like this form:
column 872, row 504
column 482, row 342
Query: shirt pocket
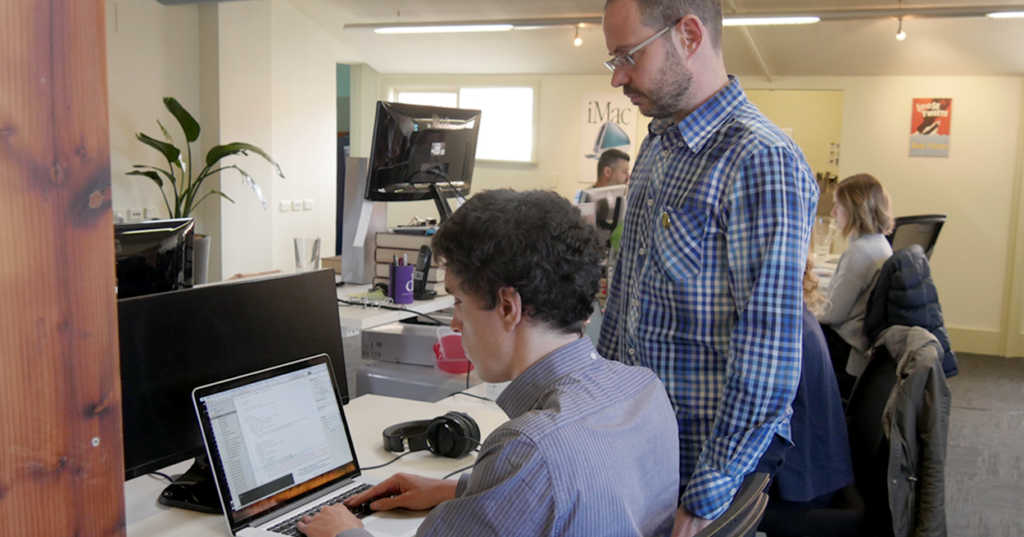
column 679, row 240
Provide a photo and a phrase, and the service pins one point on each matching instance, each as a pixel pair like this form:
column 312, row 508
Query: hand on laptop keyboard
column 290, row 526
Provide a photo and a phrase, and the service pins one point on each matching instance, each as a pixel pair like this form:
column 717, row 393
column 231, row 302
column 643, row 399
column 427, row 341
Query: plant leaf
column 252, row 184
column 221, row 194
column 171, row 153
column 235, row 148
column 167, row 135
column 165, row 173
column 187, row 122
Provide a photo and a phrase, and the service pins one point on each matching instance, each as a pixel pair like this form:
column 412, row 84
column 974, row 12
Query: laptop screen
column 275, row 436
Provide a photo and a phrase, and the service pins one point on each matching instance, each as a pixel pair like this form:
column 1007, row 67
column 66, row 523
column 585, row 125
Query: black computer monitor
column 422, row 152
column 172, row 343
column 153, row 256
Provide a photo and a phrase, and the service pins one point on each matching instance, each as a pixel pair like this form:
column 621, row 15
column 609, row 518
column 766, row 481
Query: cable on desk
column 162, row 475
column 460, row 470
column 472, row 395
column 386, row 463
column 392, row 308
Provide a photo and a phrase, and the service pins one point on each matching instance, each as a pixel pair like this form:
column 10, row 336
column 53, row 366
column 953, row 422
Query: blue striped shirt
column 707, row 289
column 589, row 449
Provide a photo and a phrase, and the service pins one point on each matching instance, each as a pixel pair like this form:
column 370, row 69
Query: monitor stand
column 440, row 196
column 195, row 490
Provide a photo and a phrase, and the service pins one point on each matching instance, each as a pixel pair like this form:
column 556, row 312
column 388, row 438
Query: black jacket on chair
column 905, row 294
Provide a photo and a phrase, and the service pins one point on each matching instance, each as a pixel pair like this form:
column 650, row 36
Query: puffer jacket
column 916, row 420
column 905, row 295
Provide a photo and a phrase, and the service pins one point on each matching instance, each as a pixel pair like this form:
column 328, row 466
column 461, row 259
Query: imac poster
column 609, row 121
column 929, row 127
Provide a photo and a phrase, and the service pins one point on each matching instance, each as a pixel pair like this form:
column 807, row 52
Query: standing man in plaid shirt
column 707, row 290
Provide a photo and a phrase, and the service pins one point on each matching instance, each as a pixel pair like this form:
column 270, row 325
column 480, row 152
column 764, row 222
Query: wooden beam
column 61, row 468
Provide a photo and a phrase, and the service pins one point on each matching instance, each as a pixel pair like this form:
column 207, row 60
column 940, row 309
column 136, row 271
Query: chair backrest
column 921, row 229
column 745, row 512
column 869, row 447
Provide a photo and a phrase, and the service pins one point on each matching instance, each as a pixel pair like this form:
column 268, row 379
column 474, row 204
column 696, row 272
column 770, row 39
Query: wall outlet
column 284, row 206
column 297, row 205
column 307, row 205
column 134, row 215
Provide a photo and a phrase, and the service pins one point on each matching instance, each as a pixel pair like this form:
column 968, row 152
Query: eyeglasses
column 626, row 59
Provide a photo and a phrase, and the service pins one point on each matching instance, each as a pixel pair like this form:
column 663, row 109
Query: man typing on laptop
column 591, row 445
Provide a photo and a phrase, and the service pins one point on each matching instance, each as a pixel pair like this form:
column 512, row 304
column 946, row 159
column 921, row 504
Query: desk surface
column 362, row 318
column 367, row 416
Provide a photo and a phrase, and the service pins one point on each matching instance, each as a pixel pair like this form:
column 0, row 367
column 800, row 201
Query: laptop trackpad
column 399, row 523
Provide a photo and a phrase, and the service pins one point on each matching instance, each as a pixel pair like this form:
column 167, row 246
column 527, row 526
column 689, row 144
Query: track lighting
column 900, row 34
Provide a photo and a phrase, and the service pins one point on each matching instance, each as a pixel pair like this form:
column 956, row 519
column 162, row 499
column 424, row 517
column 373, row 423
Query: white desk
column 361, row 318
column 367, row 417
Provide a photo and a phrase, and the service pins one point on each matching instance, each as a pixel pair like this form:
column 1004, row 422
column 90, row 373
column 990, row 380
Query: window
column 506, row 125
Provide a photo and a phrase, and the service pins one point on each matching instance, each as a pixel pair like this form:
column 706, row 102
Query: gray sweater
column 848, row 294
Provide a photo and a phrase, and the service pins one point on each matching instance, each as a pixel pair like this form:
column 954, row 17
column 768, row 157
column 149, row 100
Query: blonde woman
column 862, row 213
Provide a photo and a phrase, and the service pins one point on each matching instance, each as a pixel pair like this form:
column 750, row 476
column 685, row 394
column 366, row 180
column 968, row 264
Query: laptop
column 279, row 447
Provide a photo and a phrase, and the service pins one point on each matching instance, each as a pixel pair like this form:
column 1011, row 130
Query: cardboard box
column 401, row 343
column 333, row 262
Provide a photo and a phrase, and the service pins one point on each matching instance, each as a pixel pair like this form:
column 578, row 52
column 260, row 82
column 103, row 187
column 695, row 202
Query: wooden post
column 61, row 467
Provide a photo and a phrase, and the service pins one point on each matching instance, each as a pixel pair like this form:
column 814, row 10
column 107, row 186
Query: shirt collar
column 698, row 127
column 523, row 393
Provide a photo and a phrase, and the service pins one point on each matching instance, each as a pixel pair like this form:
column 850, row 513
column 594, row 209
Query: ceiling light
column 1007, row 15
column 577, row 41
column 443, row 29
column 900, row 34
column 768, row 21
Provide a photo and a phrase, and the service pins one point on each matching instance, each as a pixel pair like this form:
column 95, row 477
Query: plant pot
column 200, row 259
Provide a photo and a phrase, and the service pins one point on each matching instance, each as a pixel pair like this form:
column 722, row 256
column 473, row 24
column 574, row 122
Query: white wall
column 974, row 185
column 304, row 116
column 152, row 52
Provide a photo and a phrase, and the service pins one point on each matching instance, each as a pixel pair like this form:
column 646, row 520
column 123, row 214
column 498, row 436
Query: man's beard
column 669, row 89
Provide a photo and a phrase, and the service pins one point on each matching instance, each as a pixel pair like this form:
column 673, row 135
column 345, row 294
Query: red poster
column 930, row 127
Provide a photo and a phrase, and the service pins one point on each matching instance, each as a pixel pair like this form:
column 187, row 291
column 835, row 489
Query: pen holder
column 400, row 283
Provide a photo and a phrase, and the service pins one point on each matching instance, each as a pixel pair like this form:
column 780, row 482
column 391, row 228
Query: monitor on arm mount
column 422, row 152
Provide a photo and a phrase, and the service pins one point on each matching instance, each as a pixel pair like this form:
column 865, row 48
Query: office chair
column 861, row 509
column 744, row 514
column 921, row 229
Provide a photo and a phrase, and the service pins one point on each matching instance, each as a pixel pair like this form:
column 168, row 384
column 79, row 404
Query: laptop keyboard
column 361, row 511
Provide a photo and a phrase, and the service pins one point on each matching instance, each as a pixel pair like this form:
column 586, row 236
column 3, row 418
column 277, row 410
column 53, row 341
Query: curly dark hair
column 535, row 242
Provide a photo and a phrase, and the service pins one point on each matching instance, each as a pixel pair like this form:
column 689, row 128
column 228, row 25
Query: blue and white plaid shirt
column 708, row 290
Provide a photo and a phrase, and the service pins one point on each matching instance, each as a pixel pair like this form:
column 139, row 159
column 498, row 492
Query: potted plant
column 182, row 178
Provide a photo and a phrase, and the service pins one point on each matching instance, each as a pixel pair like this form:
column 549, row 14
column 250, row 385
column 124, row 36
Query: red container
column 451, row 357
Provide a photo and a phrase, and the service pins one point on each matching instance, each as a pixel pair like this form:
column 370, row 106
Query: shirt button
column 632, row 352
column 650, row 203
column 593, row 356
column 642, row 251
column 680, row 144
column 666, row 153
column 636, row 303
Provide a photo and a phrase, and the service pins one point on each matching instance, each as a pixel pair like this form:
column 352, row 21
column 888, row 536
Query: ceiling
column 934, row 47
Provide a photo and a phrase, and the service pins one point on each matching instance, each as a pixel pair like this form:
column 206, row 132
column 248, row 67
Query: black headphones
column 452, row 435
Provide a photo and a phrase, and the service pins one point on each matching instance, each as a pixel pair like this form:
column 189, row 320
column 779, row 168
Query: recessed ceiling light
column 1007, row 15
column 768, row 21
column 443, row 29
